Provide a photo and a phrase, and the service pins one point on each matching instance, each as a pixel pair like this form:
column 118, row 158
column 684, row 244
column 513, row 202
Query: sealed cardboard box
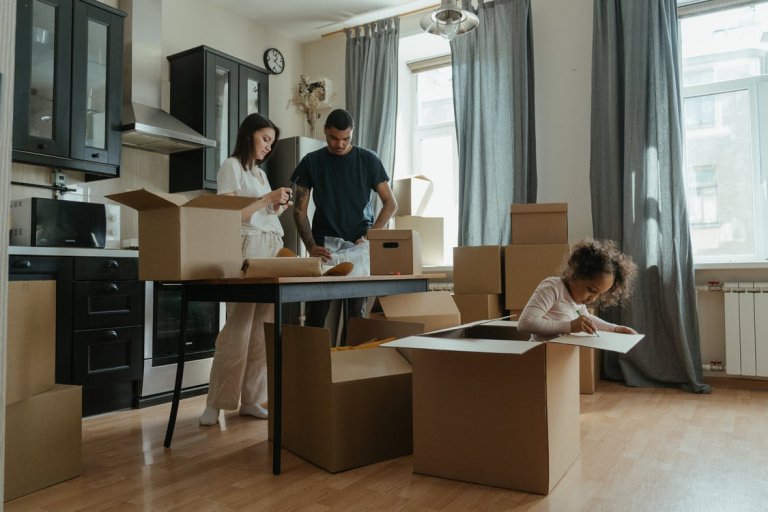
column 412, row 194
column 432, row 240
column 525, row 266
column 478, row 269
column 394, row 251
column 479, row 306
column 519, row 401
column 43, row 438
column 345, row 409
column 181, row 240
column 436, row 310
column 31, row 349
column 545, row 223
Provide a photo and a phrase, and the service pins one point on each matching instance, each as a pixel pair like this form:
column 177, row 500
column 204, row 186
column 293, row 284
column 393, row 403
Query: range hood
column 145, row 125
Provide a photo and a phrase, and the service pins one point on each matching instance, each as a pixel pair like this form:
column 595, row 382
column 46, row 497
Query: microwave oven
column 39, row 222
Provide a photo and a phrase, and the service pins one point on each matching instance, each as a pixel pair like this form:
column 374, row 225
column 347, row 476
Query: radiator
column 746, row 328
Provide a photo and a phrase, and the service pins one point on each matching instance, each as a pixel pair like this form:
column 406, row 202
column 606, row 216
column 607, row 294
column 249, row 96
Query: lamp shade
column 449, row 20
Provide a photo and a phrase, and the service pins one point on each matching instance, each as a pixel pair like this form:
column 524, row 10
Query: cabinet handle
column 95, row 155
column 111, row 287
column 109, row 336
column 111, row 264
column 41, row 146
column 22, row 264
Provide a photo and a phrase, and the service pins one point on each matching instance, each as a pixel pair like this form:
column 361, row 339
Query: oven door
column 162, row 324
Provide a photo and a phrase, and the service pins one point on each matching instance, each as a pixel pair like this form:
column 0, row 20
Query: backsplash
column 139, row 169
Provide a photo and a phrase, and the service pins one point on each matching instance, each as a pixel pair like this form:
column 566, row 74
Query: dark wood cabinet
column 211, row 92
column 68, row 85
column 99, row 324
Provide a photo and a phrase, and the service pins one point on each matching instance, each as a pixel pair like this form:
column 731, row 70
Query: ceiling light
column 449, row 20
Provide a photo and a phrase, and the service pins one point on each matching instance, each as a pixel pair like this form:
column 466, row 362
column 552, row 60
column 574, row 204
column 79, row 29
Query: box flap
column 372, row 363
column 540, row 208
column 282, row 267
column 143, row 199
column 613, row 341
column 418, row 304
column 414, row 177
column 389, row 234
column 221, row 202
column 361, row 330
column 512, row 347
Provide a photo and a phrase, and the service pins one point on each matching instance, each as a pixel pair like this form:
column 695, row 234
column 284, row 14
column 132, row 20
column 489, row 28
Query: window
column 725, row 109
column 426, row 142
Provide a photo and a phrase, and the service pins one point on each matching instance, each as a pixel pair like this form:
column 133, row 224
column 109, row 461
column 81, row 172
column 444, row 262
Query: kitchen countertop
column 71, row 251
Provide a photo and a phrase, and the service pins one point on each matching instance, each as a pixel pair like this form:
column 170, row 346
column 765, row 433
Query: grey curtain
column 371, row 86
column 638, row 196
column 493, row 103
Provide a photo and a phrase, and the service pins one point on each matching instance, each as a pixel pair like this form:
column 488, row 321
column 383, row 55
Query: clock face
column 274, row 61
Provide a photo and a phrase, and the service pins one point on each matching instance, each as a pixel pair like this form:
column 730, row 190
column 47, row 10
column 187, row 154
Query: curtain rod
column 403, row 15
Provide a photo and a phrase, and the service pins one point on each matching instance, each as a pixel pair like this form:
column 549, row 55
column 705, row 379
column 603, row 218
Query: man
column 343, row 177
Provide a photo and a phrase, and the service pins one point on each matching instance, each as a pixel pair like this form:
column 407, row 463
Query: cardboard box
column 519, row 401
column 412, row 194
column 432, row 231
column 181, row 240
column 589, row 370
column 525, row 266
column 480, row 306
column 282, row 267
column 394, row 251
column 31, row 352
column 344, row 409
column 43, row 437
column 478, row 269
column 545, row 223
column 436, row 310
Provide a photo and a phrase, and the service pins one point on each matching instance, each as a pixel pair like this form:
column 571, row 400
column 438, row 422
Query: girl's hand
column 583, row 324
column 624, row 329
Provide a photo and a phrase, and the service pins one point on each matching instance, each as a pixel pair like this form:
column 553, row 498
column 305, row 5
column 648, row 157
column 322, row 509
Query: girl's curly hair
column 589, row 258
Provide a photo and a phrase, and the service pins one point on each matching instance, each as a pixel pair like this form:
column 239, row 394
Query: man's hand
column 360, row 240
column 318, row 251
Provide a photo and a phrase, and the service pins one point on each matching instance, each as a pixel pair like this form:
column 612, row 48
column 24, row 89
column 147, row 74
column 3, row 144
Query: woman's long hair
column 244, row 149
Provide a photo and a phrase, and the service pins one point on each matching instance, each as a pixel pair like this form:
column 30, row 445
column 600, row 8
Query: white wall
column 327, row 57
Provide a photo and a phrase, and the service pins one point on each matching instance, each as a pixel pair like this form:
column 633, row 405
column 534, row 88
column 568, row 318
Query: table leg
column 276, row 407
column 345, row 319
column 179, row 372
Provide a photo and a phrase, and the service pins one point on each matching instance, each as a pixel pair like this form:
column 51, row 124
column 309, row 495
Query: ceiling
column 308, row 20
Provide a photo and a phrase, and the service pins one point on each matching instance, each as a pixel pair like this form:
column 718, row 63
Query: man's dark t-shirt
column 342, row 187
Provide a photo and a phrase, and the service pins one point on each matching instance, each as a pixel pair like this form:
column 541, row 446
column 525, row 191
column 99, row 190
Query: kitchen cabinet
column 211, row 92
column 99, row 324
column 68, row 86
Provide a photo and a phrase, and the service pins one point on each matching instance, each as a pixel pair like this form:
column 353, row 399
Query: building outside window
column 725, row 107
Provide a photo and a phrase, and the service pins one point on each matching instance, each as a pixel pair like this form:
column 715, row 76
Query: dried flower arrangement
column 312, row 100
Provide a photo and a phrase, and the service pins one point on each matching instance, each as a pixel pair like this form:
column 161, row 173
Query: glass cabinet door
column 222, row 116
column 96, row 84
column 254, row 92
column 43, row 57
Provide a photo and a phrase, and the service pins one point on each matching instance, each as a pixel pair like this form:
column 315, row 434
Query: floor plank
column 642, row 450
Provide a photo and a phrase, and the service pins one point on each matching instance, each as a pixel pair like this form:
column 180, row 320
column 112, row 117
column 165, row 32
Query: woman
column 239, row 371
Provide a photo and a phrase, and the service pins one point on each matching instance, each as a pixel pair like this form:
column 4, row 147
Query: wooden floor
column 642, row 450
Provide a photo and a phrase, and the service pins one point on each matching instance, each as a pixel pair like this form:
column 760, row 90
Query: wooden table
column 279, row 291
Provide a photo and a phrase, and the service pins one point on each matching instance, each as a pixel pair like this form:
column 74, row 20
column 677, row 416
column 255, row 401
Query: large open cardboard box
column 394, row 251
column 478, row 269
column 431, row 230
column 518, row 402
column 344, row 409
column 541, row 223
column 181, row 240
column 412, row 194
column 435, row 310
column 43, row 435
column 31, row 348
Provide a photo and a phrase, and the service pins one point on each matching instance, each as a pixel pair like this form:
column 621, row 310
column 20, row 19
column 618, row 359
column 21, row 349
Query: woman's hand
column 583, row 324
column 279, row 196
column 624, row 329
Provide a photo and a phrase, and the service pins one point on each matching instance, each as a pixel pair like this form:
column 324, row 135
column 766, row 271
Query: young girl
column 595, row 271
column 239, row 370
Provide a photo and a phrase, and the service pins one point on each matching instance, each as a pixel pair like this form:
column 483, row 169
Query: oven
column 162, row 328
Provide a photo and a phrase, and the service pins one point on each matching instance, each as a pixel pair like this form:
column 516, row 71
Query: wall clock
column 274, row 61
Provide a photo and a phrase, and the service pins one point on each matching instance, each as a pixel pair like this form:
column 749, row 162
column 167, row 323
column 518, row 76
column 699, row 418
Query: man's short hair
column 339, row 119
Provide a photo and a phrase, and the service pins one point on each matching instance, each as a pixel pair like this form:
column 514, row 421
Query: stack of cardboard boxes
column 43, row 419
column 478, row 282
column 412, row 194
